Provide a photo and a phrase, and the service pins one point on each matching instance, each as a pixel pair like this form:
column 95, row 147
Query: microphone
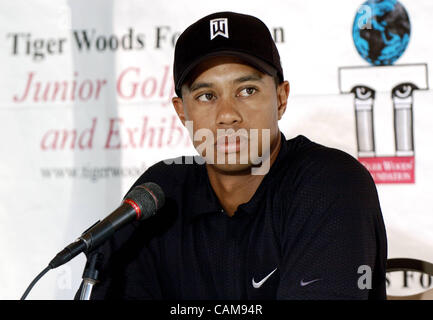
column 140, row 203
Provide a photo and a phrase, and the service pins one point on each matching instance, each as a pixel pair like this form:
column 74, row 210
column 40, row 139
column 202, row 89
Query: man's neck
column 234, row 189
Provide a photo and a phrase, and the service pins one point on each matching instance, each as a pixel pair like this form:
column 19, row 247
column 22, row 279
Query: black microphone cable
column 39, row 276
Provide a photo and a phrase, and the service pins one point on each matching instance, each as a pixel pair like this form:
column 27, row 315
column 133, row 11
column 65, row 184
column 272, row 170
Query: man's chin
column 231, row 169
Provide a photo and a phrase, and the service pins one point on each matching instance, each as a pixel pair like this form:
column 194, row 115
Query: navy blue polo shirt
column 312, row 230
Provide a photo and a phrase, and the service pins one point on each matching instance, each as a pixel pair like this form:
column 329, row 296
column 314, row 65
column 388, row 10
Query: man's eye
column 247, row 92
column 205, row 97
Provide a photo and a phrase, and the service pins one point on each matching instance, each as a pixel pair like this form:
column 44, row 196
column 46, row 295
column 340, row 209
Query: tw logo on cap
column 219, row 27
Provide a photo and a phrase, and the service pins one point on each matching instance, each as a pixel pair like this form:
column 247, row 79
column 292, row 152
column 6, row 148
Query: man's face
column 234, row 111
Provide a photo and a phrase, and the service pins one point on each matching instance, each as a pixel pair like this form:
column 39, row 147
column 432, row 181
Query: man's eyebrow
column 199, row 85
column 250, row 77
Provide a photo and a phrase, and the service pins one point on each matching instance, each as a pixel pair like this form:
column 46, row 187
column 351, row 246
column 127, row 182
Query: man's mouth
column 231, row 143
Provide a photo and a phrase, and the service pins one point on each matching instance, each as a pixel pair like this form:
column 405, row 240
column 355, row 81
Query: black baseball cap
column 226, row 34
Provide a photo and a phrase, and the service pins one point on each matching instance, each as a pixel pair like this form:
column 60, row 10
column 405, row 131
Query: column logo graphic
column 381, row 33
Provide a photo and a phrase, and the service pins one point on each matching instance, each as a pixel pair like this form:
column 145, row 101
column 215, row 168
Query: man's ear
column 179, row 107
column 283, row 91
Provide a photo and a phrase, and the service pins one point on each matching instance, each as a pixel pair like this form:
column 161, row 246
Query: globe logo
column 381, row 31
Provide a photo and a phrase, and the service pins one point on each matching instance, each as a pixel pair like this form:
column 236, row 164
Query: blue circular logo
column 381, row 31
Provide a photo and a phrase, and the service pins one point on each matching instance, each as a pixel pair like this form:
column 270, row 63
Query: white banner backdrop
column 85, row 91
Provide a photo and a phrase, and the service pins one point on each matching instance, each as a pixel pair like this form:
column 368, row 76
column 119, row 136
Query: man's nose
column 228, row 113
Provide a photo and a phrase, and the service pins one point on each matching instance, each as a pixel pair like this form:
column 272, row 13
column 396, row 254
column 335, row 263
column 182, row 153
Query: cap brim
column 249, row 59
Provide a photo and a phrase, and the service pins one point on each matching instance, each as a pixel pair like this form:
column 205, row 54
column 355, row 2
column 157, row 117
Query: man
column 290, row 219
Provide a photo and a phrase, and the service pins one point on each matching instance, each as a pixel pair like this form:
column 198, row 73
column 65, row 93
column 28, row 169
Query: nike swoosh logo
column 260, row 283
column 306, row 283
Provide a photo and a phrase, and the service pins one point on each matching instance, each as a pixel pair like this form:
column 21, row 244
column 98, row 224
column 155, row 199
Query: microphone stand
column 90, row 274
